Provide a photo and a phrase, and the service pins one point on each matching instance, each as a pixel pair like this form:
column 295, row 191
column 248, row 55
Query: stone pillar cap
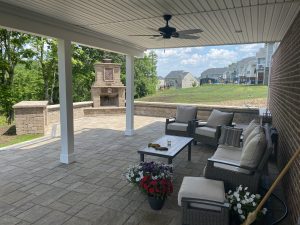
column 31, row 104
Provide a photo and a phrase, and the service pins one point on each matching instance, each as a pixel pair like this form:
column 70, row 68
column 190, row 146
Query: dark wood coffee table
column 177, row 145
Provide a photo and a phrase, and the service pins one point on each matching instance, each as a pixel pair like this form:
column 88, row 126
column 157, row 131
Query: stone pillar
column 30, row 117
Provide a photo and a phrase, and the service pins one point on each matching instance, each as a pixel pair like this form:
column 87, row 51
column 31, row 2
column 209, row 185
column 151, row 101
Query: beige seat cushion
column 249, row 128
column 201, row 188
column 206, row 131
column 184, row 114
column 228, row 153
column 177, row 126
column 253, row 151
column 219, row 118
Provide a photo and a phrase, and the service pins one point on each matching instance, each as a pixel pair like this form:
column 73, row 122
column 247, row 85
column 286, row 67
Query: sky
column 196, row 60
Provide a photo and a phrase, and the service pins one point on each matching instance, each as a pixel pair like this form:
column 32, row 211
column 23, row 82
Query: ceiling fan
column 168, row 32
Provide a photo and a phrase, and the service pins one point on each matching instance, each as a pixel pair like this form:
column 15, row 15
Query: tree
column 13, row 50
column 45, row 52
column 145, row 80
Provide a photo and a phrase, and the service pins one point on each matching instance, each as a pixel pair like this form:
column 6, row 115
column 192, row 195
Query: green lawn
column 209, row 94
column 14, row 139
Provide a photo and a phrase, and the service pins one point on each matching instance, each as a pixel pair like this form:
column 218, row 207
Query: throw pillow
column 230, row 136
column 217, row 118
column 184, row 114
column 253, row 151
column 249, row 128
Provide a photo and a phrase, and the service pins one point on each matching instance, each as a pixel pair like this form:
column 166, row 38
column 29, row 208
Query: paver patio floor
column 35, row 188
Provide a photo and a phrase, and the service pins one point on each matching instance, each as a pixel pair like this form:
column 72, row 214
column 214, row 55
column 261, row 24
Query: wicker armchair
column 233, row 174
column 182, row 124
column 209, row 132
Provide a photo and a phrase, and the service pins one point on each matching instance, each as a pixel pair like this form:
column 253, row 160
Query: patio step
column 109, row 110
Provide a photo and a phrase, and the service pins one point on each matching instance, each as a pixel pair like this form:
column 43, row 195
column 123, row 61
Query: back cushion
column 230, row 136
column 219, row 118
column 185, row 114
column 252, row 152
column 255, row 131
column 249, row 128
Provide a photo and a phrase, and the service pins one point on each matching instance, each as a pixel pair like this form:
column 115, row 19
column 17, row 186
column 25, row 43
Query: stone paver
column 34, row 214
column 55, row 217
column 35, row 188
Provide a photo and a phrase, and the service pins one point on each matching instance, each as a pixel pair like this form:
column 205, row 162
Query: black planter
column 156, row 203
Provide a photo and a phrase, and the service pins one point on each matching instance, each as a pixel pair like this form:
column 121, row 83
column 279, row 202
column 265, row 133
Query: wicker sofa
column 230, row 164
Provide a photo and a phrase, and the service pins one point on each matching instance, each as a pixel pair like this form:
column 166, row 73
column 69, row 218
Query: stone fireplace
column 108, row 90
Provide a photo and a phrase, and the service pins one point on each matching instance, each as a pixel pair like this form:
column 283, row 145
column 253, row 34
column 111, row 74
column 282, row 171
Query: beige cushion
column 178, row 126
column 249, row 128
column 254, row 132
column 206, row 131
column 228, row 153
column 219, row 118
column 184, row 114
column 253, row 151
column 201, row 188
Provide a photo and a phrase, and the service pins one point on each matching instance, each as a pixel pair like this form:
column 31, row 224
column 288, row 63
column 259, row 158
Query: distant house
column 161, row 82
column 213, row 75
column 180, row 79
column 246, row 69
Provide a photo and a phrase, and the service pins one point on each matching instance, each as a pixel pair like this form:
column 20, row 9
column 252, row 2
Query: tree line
column 29, row 70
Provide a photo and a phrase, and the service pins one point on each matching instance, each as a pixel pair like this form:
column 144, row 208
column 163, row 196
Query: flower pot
column 155, row 203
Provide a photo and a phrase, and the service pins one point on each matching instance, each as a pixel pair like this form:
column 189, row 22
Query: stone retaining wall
column 37, row 116
column 53, row 115
column 158, row 109
column 30, row 117
column 33, row 117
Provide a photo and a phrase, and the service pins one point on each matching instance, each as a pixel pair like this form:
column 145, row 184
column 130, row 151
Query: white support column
column 66, row 101
column 129, row 95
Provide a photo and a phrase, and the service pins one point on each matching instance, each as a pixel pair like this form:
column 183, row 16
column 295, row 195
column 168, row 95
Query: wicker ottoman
column 203, row 202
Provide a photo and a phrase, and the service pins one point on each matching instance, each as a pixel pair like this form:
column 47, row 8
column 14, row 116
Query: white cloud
column 193, row 60
column 221, row 54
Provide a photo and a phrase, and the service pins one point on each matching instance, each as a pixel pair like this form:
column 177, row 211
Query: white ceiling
column 259, row 20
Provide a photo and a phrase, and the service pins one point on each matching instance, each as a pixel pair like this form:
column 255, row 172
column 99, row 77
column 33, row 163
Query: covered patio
column 108, row 25
column 35, row 188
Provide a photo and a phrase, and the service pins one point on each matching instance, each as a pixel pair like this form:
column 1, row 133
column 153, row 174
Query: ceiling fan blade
column 145, row 35
column 186, row 36
column 192, row 31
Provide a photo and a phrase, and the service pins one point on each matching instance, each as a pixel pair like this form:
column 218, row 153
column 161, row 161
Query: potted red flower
column 157, row 189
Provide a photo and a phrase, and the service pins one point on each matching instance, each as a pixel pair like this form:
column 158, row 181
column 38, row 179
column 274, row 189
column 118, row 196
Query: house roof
column 177, row 74
column 247, row 60
column 213, row 71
